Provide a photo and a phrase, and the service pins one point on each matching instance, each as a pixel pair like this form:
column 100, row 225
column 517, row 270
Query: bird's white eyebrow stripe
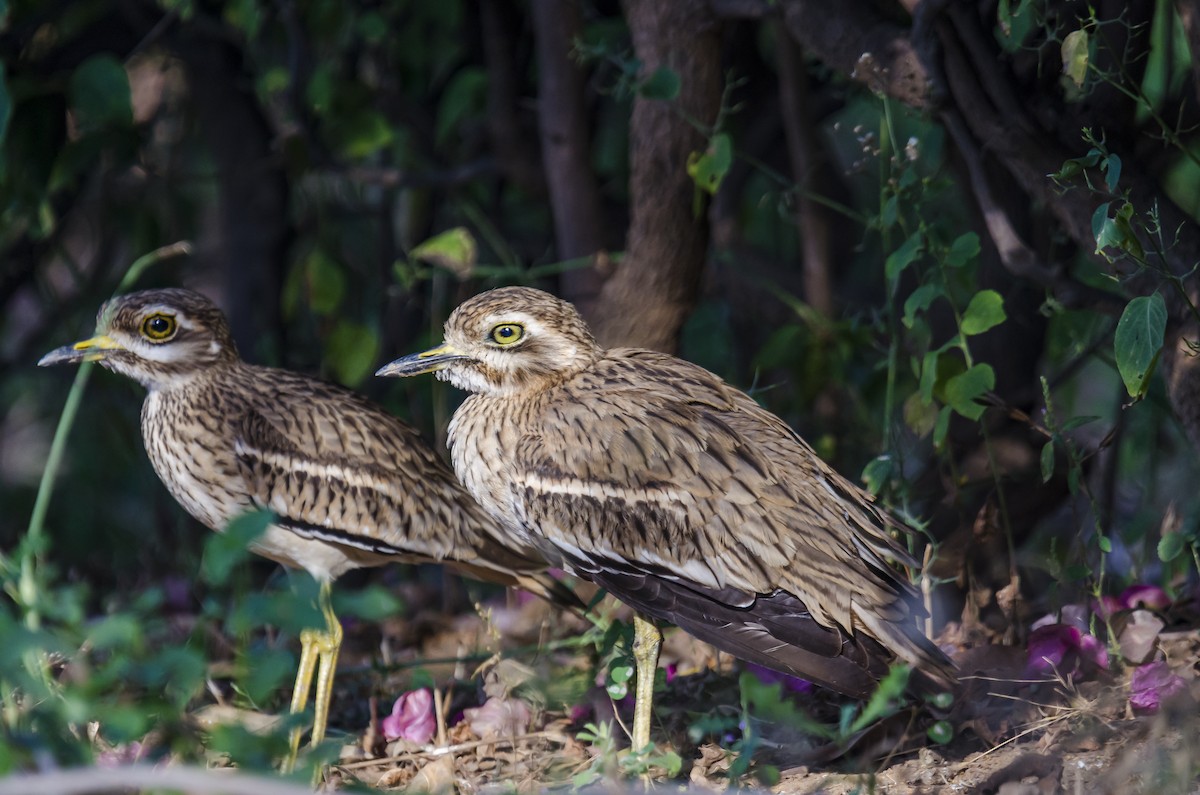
column 578, row 487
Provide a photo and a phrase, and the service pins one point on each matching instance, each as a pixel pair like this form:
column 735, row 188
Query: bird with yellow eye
column 349, row 484
column 678, row 494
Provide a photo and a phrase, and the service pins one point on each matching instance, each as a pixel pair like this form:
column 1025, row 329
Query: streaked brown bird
column 349, row 484
column 677, row 493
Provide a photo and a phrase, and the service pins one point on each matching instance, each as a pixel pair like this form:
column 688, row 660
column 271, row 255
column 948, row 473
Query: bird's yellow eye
column 507, row 333
column 158, row 327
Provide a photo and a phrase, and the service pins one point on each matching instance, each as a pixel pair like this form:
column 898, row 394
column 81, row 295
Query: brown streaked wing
column 677, row 471
column 332, row 465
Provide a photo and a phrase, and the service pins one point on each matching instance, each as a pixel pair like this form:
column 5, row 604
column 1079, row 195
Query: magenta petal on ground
column 498, row 717
column 768, row 676
column 1107, row 606
column 411, row 719
column 1151, row 684
column 1048, row 647
column 1148, row 596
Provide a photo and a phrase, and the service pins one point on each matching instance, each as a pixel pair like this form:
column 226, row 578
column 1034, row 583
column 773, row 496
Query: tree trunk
column 650, row 294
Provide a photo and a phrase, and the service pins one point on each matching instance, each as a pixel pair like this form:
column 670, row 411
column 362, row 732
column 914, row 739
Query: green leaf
column 929, row 373
column 962, row 390
column 919, row 415
column 224, row 550
column 1105, row 544
column 325, row 282
column 1075, row 56
column 1047, row 461
column 985, row 311
column 1099, row 217
column 120, row 631
column 919, row 300
column 1077, row 422
column 781, row 347
column 1170, row 546
column 1112, row 172
column 264, row 674
column 1129, row 239
column 99, row 96
column 1139, row 340
column 364, row 134
column 373, row 603
column 121, row 723
column 890, row 211
column 1015, row 25
column 877, row 473
column 889, row 693
column 320, row 91
column 465, row 95
column 709, row 169
column 904, row 256
column 351, row 350
column 455, row 250
column 663, row 84
column 245, row 16
column 373, row 27
column 964, row 249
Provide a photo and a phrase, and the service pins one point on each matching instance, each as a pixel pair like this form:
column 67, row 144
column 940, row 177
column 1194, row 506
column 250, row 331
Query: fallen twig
column 412, row 756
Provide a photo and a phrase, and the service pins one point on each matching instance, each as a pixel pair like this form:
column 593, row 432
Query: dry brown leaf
column 435, row 777
column 499, row 717
column 505, row 676
column 1139, row 637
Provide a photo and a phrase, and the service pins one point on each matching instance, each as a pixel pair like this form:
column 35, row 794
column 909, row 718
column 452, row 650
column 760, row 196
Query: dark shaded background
column 306, row 148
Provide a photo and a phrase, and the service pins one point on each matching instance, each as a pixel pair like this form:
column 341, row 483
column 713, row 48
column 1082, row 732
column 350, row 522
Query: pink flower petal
column 1149, row 596
column 1107, row 606
column 1151, row 684
column 1048, row 648
column 498, row 717
column 1063, row 650
column 411, row 719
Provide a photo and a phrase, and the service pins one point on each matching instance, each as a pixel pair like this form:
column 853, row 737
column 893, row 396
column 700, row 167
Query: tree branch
column 804, row 154
column 566, row 150
column 515, row 149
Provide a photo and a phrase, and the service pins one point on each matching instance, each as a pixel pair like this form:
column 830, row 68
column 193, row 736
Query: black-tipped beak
column 90, row 350
column 428, row 361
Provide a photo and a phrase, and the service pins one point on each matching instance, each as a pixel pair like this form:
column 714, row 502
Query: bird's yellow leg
column 318, row 653
column 309, row 643
column 331, row 644
column 647, row 642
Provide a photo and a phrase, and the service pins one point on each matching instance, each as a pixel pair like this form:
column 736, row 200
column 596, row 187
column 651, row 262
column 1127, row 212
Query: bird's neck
column 170, row 381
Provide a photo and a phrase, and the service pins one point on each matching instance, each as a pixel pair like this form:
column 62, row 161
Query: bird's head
column 160, row 338
column 506, row 341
